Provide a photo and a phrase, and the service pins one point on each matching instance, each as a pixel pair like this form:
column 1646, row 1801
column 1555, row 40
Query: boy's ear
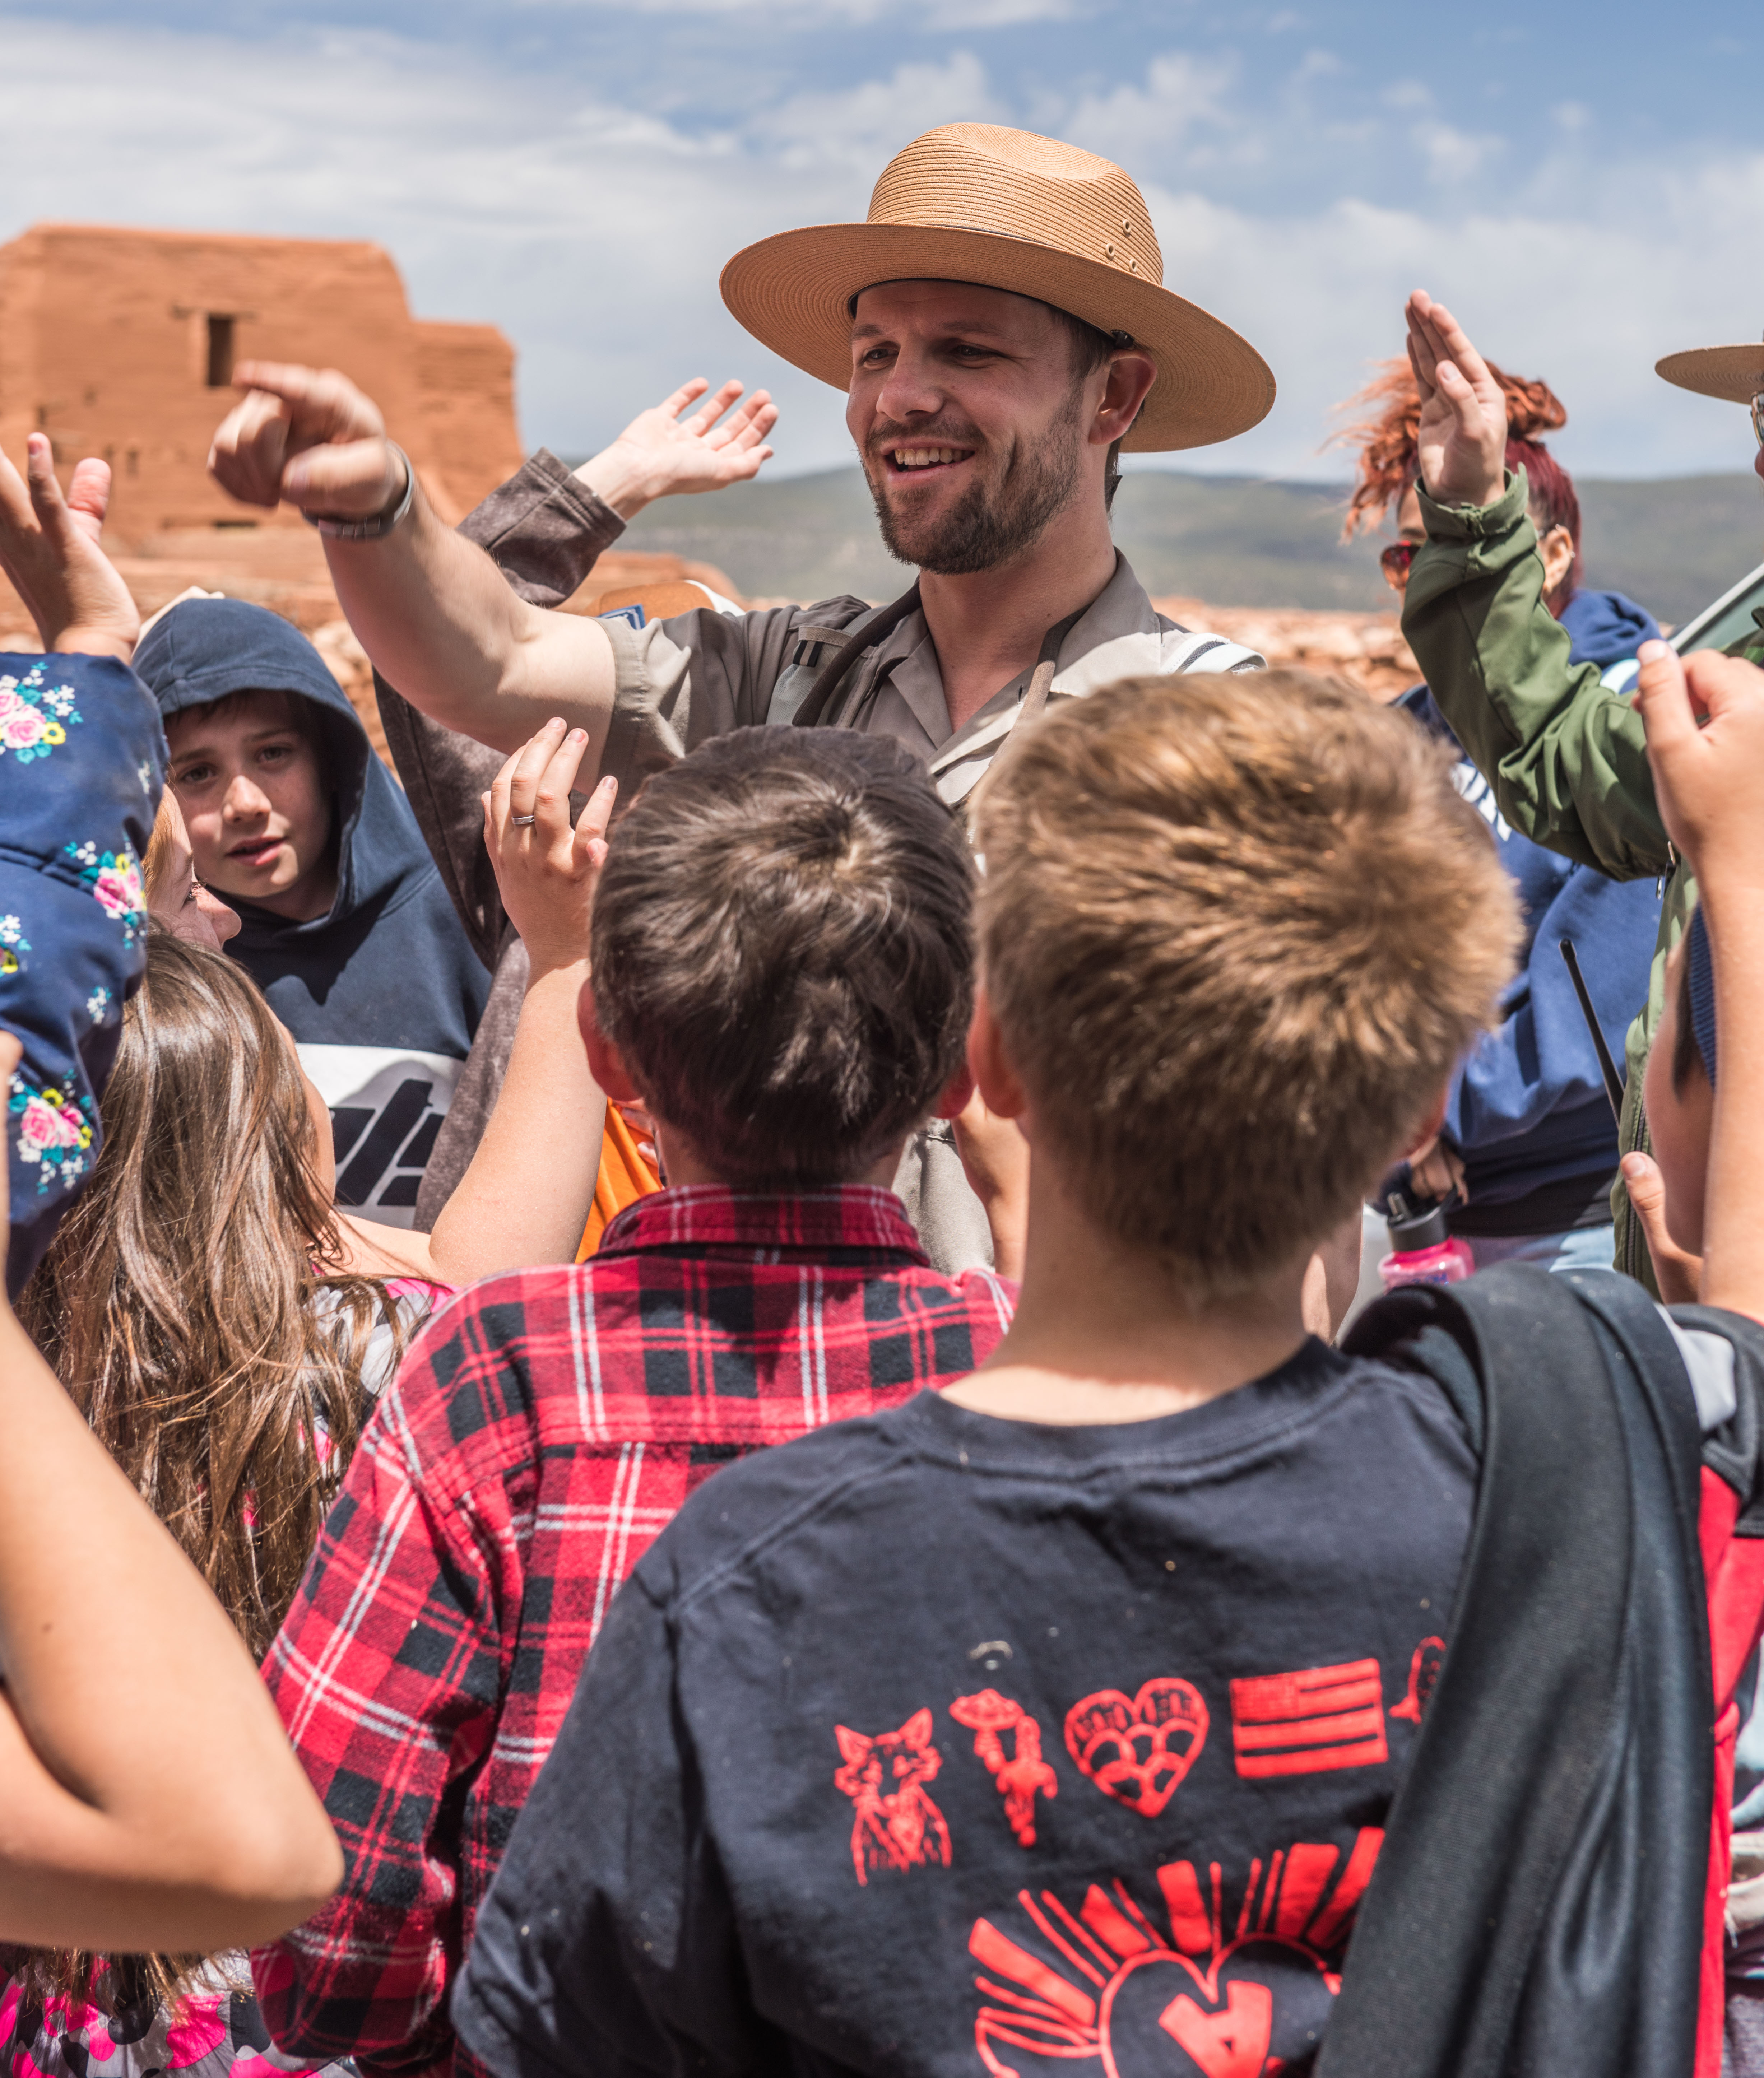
column 1428, row 1130
column 956, row 1092
column 604, row 1062
column 989, row 1065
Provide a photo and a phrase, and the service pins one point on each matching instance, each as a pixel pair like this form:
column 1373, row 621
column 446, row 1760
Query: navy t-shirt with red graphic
column 935, row 1743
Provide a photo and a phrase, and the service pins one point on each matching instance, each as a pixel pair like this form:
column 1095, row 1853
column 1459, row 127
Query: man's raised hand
column 307, row 435
column 661, row 455
column 1462, row 438
column 49, row 548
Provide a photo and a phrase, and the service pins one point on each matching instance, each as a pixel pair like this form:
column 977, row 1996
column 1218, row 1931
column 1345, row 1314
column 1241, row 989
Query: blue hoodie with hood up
column 382, row 993
column 1529, row 1112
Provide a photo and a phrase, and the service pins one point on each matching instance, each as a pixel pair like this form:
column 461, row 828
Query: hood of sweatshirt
column 383, row 992
column 1605, row 628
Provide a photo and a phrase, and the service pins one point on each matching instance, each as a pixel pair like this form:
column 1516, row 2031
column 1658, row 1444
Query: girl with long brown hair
column 225, row 1329
column 195, row 1305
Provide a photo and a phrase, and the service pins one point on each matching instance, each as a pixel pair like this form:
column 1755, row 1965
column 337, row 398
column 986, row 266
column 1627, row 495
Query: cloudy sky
column 1582, row 181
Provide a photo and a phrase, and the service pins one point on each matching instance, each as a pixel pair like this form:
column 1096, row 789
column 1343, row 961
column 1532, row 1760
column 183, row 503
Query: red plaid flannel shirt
column 543, row 1430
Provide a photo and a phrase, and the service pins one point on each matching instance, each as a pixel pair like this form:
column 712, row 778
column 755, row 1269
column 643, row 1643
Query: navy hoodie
column 1529, row 1112
column 382, row 993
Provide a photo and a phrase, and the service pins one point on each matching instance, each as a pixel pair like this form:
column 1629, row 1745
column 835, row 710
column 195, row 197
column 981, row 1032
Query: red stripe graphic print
column 1308, row 1723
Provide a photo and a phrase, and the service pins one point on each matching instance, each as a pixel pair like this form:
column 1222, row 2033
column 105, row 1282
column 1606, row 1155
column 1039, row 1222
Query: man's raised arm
column 430, row 608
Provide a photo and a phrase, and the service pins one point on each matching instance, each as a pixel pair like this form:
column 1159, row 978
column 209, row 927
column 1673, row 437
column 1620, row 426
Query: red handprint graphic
column 899, row 1828
column 989, row 1716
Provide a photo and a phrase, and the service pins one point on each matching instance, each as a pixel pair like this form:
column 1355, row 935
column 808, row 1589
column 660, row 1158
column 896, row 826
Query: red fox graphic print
column 898, row 1827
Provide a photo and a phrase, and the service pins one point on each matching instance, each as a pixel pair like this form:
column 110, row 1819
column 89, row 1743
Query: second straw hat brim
column 794, row 293
column 1733, row 373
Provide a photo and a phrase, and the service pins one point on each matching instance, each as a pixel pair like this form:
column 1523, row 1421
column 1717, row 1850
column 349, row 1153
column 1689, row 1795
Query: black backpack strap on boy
column 1538, row 1903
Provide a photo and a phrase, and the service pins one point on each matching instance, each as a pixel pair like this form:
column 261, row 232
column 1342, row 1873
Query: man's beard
column 985, row 529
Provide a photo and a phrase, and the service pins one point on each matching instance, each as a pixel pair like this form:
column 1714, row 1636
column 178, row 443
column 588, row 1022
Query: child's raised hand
column 1705, row 716
column 49, row 548
column 547, row 868
column 661, row 455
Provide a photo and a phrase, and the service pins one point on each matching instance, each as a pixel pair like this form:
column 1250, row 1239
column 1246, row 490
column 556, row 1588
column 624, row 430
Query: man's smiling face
column 969, row 416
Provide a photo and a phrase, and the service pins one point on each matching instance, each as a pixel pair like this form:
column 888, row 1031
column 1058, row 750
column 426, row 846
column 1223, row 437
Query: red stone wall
column 465, row 375
column 106, row 338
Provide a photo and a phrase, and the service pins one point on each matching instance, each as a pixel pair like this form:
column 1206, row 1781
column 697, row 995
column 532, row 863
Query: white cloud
column 1184, row 99
column 593, row 231
column 1453, row 157
column 866, row 125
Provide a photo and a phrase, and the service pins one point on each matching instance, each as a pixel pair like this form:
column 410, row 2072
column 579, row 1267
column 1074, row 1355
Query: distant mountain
column 1674, row 544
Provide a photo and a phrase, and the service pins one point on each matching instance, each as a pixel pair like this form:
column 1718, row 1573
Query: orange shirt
column 626, row 1175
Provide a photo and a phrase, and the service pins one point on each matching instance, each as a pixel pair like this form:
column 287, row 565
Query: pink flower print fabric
column 113, row 879
column 50, row 1130
column 35, row 715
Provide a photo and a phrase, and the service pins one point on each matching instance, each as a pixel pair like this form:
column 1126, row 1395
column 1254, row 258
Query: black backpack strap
column 875, row 627
column 1538, row 1903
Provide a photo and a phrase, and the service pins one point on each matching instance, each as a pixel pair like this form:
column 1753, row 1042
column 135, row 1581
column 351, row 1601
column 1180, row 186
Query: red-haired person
column 1528, row 1141
column 1565, row 753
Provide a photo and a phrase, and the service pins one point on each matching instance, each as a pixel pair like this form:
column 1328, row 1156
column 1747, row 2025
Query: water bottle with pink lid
column 1423, row 1252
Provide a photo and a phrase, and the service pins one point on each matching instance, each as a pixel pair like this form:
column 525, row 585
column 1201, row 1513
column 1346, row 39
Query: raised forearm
column 441, row 623
column 526, row 1198
column 1567, row 758
column 147, row 1796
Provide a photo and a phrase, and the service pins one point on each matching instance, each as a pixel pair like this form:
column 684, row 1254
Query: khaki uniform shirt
column 681, row 681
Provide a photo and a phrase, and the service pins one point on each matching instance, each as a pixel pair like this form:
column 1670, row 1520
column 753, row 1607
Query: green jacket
column 1567, row 759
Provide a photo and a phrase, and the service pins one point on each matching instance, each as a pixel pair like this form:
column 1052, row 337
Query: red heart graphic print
column 1138, row 1752
column 1263, row 2004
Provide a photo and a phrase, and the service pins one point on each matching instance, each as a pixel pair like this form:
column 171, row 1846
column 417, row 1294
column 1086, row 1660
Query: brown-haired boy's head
column 782, row 952
column 1234, row 933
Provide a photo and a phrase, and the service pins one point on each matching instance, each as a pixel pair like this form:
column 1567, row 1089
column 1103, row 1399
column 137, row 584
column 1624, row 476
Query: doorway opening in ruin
column 220, row 351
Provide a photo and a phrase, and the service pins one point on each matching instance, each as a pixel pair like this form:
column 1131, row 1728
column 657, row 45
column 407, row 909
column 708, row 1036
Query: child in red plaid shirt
column 781, row 972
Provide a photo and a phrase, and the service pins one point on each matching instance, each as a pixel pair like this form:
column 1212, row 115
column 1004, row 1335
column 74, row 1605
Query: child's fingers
column 597, row 813
column 46, row 499
column 89, row 496
column 526, row 766
column 496, row 809
column 551, row 799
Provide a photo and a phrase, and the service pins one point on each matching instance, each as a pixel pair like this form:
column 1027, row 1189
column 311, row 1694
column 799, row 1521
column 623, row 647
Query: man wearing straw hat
column 1565, row 756
column 1000, row 327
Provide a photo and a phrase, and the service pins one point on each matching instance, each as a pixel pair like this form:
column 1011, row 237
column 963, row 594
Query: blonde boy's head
column 1235, row 933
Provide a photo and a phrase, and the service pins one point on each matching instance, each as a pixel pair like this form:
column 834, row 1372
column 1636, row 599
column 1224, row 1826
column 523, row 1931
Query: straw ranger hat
column 1007, row 210
column 1734, row 372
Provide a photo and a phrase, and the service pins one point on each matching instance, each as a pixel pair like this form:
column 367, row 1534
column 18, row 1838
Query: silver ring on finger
column 522, row 822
